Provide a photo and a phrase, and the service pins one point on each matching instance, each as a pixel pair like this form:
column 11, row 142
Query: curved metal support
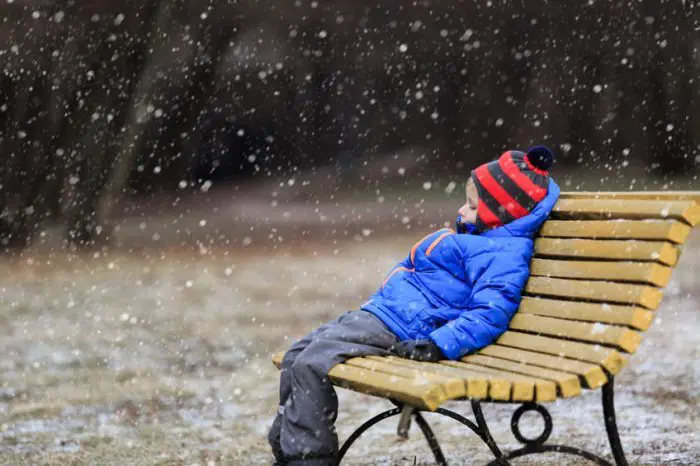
column 515, row 421
column 537, row 445
column 611, row 423
column 422, row 423
column 460, row 418
column 553, row 448
column 480, row 428
column 432, row 440
column 481, row 421
column 361, row 430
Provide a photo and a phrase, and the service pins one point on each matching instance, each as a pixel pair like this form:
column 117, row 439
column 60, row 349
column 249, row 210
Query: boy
column 454, row 294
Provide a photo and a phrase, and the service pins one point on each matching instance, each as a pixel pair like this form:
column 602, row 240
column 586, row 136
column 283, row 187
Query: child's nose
column 463, row 210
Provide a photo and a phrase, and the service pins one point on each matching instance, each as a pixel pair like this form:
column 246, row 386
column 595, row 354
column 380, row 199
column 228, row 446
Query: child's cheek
column 469, row 217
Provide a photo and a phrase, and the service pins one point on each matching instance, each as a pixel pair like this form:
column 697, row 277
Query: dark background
column 103, row 100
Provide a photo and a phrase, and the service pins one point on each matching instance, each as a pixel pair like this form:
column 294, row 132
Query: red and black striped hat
column 510, row 187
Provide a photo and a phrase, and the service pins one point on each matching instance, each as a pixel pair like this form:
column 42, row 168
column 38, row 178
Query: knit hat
column 509, row 188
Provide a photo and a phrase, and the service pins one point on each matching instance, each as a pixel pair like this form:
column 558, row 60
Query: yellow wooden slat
column 427, row 396
column 645, row 296
column 613, row 335
column 648, row 195
column 453, row 387
column 277, row 359
column 523, row 385
column 610, row 359
column 477, row 384
column 630, row 250
column 634, row 272
column 522, row 388
column 633, row 209
column 631, row 316
column 591, row 374
column 568, row 384
column 658, row 230
column 500, row 388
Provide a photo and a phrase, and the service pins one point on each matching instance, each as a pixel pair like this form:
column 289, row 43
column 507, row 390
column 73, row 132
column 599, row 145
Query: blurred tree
column 106, row 98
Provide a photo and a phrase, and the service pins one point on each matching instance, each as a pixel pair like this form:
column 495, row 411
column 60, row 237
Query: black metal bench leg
column 480, row 428
column 485, row 433
column 422, row 423
column 360, row 430
column 432, row 440
column 611, row 423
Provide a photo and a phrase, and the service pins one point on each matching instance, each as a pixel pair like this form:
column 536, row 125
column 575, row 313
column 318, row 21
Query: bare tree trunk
column 135, row 122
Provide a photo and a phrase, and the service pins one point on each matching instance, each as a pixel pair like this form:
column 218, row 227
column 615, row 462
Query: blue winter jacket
column 461, row 290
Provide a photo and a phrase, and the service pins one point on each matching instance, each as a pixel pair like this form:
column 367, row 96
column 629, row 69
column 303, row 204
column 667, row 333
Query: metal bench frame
column 481, row 428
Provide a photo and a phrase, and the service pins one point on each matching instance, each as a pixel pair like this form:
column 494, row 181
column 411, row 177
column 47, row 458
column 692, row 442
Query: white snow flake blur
column 188, row 187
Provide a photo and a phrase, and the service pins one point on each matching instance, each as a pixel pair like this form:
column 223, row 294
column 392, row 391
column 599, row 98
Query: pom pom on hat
column 540, row 157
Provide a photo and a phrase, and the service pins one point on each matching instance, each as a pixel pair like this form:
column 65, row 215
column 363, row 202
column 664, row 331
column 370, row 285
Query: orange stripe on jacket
column 397, row 269
column 437, row 240
column 415, row 247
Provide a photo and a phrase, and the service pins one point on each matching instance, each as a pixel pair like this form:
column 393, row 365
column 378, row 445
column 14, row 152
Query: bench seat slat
column 620, row 337
column 453, row 387
column 608, row 358
column 607, row 209
column 592, row 376
column 646, row 296
column 499, row 387
column 631, row 316
column 480, row 385
column 522, row 388
column 634, row 272
column 424, row 395
column 658, row 230
column 503, row 385
column 567, row 384
column 625, row 250
column 427, row 396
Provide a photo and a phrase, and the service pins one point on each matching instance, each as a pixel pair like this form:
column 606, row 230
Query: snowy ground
column 163, row 357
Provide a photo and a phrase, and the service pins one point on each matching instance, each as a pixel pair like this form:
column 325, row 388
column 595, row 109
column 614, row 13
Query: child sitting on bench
column 454, row 294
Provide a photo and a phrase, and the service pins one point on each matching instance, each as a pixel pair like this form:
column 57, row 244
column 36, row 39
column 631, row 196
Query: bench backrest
column 601, row 262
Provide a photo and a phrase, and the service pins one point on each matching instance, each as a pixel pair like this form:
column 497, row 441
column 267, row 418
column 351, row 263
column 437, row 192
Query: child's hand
column 418, row 350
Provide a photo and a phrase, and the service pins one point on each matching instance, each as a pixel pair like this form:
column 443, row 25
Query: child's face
column 468, row 210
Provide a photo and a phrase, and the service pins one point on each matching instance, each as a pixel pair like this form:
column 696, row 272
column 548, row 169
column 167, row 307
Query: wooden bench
column 601, row 263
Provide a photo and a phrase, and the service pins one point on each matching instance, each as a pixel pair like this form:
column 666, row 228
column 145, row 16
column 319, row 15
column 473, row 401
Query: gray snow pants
column 303, row 432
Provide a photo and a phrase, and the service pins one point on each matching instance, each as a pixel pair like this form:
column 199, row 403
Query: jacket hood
column 529, row 225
